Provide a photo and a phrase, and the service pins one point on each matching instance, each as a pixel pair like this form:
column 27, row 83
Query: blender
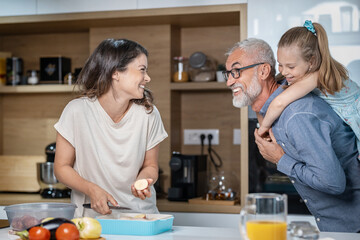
column 49, row 185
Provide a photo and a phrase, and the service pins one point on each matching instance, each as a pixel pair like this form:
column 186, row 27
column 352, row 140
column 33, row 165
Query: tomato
column 67, row 231
column 39, row 233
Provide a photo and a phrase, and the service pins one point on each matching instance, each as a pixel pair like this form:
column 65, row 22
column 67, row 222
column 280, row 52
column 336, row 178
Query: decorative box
column 54, row 69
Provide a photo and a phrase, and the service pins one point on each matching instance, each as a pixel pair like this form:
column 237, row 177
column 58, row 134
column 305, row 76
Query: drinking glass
column 264, row 217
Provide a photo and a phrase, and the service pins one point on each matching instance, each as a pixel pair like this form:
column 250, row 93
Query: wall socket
column 237, row 136
column 192, row 136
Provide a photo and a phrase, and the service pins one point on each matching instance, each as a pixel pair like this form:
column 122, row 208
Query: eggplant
column 52, row 225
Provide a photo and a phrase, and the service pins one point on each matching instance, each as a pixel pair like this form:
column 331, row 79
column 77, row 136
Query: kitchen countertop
column 187, row 233
column 163, row 204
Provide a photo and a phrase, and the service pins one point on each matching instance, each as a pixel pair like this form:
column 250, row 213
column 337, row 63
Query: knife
column 88, row 205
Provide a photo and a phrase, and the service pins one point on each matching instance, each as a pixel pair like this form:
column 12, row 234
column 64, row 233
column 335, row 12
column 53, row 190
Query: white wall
column 340, row 19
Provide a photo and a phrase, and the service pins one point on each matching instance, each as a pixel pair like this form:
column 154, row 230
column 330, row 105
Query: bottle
column 32, row 78
column 180, row 70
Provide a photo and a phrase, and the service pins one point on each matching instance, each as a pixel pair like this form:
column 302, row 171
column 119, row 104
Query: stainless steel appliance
column 49, row 185
column 188, row 177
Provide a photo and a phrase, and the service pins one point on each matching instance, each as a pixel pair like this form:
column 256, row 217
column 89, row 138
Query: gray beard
column 246, row 98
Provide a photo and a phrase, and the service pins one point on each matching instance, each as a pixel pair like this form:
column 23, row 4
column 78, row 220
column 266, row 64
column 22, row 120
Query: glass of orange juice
column 263, row 217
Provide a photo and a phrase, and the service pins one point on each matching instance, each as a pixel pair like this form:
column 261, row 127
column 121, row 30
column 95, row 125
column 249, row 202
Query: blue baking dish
column 128, row 224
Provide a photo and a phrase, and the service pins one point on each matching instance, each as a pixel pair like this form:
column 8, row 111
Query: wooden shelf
column 199, row 86
column 48, row 88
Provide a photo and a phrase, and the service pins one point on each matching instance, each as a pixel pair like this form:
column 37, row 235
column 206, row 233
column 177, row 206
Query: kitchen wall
column 341, row 20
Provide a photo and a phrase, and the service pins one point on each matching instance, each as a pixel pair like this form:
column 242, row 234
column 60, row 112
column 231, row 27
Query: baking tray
column 127, row 224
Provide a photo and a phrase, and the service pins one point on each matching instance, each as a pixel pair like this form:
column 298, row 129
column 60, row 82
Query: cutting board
column 19, row 173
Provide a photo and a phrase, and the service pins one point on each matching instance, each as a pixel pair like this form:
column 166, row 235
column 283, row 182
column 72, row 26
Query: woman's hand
column 270, row 150
column 142, row 194
column 99, row 199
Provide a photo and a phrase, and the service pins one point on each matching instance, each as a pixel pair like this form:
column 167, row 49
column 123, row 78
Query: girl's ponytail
column 331, row 72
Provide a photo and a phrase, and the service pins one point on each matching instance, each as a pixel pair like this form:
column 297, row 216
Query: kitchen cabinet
column 28, row 113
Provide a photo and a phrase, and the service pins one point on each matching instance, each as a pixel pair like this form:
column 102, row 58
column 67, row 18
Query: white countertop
column 199, row 233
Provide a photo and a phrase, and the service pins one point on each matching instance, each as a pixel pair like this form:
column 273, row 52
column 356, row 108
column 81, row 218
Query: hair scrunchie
column 309, row 26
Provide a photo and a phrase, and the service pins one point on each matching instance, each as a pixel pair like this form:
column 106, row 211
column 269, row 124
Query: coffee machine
column 50, row 186
column 188, row 176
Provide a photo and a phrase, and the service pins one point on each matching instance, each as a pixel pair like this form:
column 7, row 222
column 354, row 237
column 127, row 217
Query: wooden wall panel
column 28, row 121
column 213, row 41
column 19, row 173
column 31, row 47
column 156, row 39
column 213, row 110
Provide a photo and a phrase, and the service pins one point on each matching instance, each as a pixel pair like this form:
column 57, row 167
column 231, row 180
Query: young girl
column 305, row 61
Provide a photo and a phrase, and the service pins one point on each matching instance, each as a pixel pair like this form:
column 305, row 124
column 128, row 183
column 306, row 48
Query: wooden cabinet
column 28, row 113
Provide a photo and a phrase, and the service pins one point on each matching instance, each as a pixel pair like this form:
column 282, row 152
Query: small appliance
column 188, row 177
column 49, row 185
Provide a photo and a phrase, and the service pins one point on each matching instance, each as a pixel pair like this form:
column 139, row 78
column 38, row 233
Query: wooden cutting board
column 19, row 173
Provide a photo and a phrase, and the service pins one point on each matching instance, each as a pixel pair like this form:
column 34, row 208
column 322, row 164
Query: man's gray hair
column 258, row 49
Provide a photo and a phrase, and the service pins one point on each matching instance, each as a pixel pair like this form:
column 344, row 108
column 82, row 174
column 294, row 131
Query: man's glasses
column 235, row 72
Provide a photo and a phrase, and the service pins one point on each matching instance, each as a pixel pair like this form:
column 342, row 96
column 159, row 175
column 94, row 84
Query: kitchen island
column 163, row 204
column 198, row 233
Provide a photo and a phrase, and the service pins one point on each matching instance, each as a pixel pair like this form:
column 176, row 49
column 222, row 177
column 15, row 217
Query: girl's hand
column 263, row 131
column 270, row 150
column 146, row 193
column 99, row 200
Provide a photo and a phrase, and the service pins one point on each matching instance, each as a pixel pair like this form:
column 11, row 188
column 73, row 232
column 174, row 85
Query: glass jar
column 180, row 73
column 201, row 68
column 32, row 77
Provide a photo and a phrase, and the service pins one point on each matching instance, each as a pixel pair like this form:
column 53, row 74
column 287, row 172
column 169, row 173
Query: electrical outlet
column 237, row 136
column 192, row 136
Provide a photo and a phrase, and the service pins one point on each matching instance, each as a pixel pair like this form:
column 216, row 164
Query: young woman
column 109, row 137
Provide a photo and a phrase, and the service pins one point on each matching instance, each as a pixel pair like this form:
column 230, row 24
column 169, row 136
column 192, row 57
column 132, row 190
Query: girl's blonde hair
column 315, row 48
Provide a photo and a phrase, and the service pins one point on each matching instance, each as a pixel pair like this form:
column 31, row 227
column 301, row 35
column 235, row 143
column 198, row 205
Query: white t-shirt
column 110, row 154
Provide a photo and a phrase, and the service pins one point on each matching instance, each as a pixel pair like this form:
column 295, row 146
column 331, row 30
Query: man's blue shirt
column 321, row 161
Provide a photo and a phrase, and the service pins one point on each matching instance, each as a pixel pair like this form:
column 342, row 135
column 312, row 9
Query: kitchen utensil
column 153, row 224
column 188, row 176
column 50, row 152
column 22, row 216
column 201, row 67
column 88, row 205
column 50, row 186
column 264, row 217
